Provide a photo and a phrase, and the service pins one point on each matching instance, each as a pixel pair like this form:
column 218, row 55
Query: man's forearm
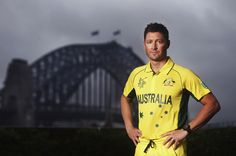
column 210, row 107
column 126, row 111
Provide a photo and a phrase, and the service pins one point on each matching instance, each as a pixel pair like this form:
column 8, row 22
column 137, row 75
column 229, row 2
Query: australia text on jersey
column 154, row 98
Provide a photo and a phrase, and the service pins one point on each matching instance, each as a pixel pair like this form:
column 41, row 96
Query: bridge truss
column 81, row 83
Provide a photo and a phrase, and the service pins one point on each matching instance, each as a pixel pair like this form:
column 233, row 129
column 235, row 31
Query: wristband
column 187, row 128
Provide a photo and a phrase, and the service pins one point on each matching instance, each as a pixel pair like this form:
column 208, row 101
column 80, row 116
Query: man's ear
column 168, row 44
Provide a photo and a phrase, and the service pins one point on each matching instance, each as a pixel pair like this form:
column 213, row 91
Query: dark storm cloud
column 202, row 33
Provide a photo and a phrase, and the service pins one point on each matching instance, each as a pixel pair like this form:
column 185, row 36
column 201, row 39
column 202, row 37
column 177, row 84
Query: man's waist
column 147, row 140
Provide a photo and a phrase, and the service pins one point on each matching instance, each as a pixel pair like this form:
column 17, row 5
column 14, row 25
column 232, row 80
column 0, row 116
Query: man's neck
column 157, row 65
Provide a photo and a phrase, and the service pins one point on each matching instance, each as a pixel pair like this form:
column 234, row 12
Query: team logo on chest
column 141, row 83
column 169, row 82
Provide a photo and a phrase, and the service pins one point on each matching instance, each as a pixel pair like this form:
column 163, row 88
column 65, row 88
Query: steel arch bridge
column 81, row 82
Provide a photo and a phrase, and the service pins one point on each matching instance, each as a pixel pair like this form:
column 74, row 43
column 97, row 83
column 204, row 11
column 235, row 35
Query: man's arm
column 126, row 111
column 210, row 107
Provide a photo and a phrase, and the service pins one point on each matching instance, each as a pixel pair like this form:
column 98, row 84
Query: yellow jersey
column 163, row 97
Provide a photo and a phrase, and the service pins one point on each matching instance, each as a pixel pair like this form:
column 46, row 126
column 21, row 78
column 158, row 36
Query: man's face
column 156, row 46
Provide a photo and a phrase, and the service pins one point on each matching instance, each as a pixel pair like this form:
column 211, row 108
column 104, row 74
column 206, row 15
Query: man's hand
column 174, row 138
column 126, row 111
column 134, row 135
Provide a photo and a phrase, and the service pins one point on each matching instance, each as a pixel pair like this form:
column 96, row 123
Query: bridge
column 77, row 85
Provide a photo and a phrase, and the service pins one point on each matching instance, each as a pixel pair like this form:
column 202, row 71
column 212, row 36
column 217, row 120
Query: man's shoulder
column 182, row 70
column 138, row 69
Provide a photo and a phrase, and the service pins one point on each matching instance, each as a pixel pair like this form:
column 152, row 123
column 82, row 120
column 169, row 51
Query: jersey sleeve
column 195, row 85
column 129, row 90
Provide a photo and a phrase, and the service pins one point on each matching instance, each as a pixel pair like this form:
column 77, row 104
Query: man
column 162, row 89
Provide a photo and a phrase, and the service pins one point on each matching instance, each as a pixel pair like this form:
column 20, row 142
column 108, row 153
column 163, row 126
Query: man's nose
column 154, row 46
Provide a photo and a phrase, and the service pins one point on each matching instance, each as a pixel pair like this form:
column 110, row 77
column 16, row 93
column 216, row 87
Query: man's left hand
column 174, row 138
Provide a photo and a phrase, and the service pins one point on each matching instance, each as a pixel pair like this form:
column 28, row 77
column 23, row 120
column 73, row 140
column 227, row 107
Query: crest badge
column 169, row 82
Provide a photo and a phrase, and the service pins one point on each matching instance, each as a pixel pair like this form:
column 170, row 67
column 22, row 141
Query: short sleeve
column 129, row 90
column 195, row 85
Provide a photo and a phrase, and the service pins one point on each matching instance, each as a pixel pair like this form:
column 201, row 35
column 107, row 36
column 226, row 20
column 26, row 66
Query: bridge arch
column 76, row 71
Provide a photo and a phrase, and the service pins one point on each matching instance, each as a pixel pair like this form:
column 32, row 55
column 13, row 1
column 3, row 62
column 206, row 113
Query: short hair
column 156, row 27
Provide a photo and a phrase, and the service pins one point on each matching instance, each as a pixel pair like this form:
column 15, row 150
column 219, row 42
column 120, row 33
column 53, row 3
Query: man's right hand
column 134, row 134
column 126, row 111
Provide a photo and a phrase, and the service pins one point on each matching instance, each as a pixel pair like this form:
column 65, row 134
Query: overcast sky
column 202, row 34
